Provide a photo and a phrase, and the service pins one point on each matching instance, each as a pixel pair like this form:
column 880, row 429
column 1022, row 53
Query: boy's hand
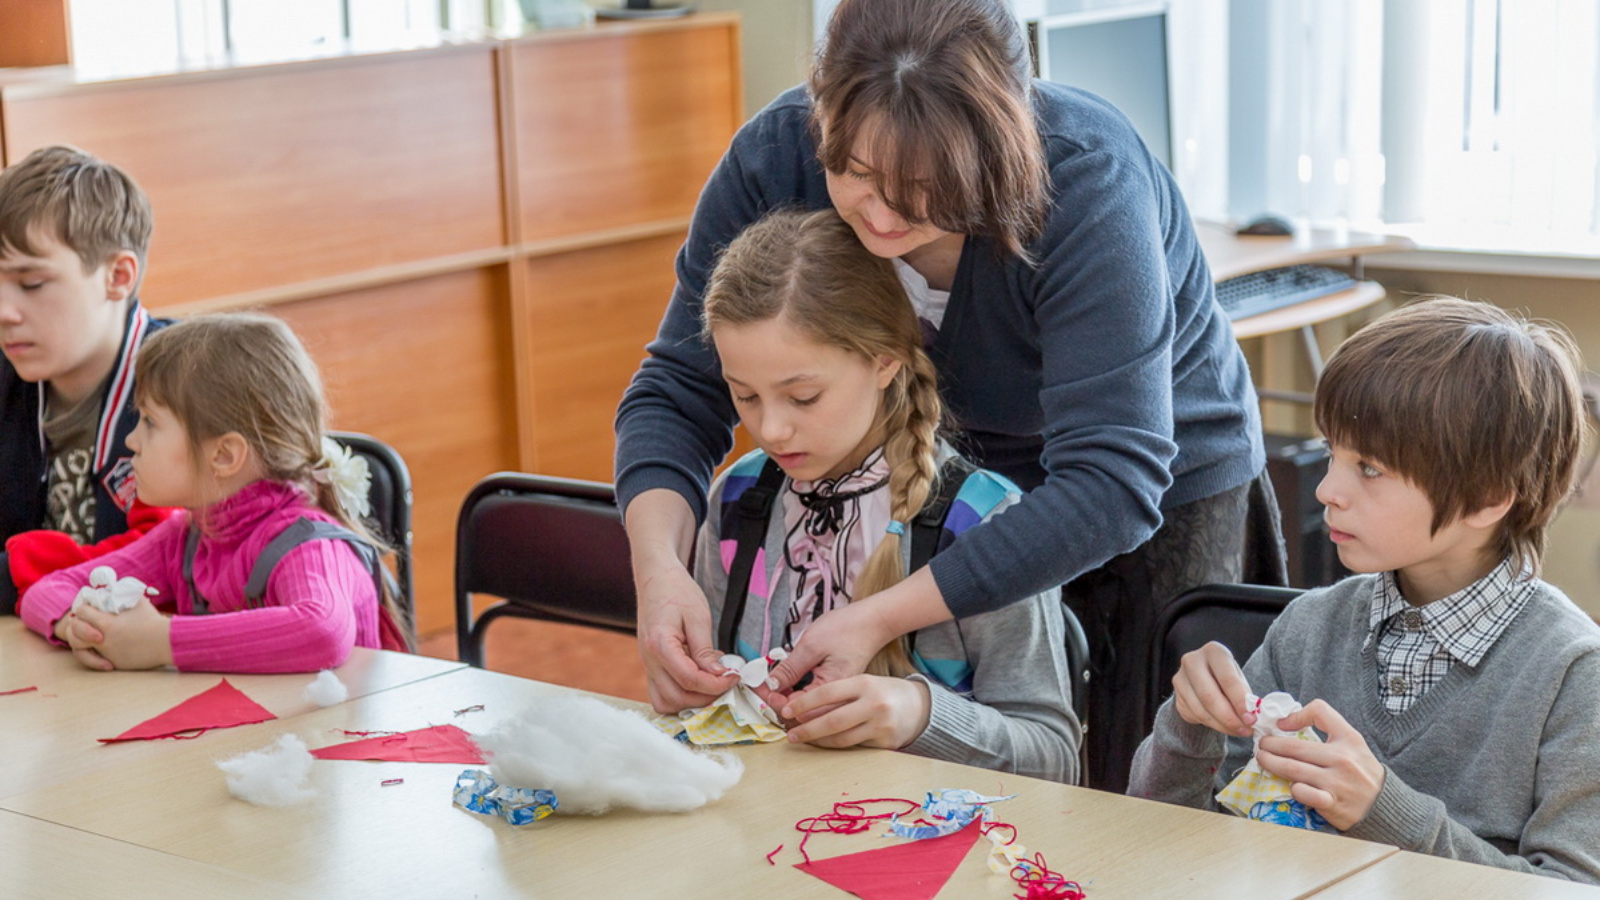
column 865, row 710
column 136, row 638
column 1210, row 690
column 84, row 639
column 1340, row 778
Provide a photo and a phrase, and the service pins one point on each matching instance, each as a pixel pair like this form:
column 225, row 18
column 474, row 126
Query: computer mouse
column 1267, row 225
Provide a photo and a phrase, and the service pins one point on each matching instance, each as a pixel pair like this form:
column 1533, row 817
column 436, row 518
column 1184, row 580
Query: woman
column 1070, row 314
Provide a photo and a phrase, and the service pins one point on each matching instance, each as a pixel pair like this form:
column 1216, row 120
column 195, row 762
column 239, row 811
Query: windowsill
column 1493, row 252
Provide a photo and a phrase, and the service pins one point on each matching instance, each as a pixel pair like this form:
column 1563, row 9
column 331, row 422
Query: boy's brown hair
column 939, row 91
column 1470, row 403
column 87, row 204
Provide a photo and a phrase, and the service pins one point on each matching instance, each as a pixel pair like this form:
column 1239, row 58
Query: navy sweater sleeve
column 676, row 418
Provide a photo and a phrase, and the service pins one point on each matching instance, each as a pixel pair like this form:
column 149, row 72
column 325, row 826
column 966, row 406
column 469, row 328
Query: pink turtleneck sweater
column 320, row 600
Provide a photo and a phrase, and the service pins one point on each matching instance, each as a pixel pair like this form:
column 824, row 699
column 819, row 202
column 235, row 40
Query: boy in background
column 1459, row 694
column 73, row 235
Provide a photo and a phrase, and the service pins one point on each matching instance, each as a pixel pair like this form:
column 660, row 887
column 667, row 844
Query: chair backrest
column 390, row 496
column 1235, row 615
column 552, row 548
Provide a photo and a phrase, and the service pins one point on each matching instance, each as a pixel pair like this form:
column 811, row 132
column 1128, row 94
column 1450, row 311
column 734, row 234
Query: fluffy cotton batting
column 272, row 776
column 597, row 758
column 326, row 689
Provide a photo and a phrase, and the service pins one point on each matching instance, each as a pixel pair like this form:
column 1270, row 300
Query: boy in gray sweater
column 1460, row 695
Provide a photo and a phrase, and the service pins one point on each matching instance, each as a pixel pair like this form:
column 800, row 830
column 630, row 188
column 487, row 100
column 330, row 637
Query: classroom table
column 49, row 735
column 44, row 861
column 358, row 837
column 1406, row 876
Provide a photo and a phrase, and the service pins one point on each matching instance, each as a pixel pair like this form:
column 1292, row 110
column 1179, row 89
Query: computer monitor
column 1119, row 53
column 642, row 9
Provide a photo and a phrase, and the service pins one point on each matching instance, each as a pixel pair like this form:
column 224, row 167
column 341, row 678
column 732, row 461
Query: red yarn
column 1034, row 876
column 849, row 817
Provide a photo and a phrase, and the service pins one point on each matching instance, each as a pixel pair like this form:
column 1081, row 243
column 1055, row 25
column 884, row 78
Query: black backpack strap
column 198, row 605
column 302, row 531
column 925, row 528
column 755, row 509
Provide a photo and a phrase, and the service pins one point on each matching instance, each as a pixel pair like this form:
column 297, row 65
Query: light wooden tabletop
column 1407, row 876
column 49, row 735
column 360, row 838
column 46, row 861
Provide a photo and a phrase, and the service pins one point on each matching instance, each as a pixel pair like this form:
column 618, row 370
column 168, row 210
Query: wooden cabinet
column 475, row 241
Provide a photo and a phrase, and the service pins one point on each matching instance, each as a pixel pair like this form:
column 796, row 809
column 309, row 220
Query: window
column 1468, row 124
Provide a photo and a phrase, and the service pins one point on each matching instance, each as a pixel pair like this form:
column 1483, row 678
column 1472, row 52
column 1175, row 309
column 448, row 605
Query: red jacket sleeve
column 35, row 554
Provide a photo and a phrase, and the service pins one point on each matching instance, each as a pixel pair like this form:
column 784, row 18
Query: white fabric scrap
column 108, row 593
column 597, row 757
column 326, row 689
column 272, row 776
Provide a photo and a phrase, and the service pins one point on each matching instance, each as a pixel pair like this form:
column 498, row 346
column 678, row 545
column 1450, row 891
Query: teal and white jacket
column 999, row 680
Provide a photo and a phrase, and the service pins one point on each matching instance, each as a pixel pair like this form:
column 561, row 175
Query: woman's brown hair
column 1468, row 402
column 810, row 269
column 936, row 93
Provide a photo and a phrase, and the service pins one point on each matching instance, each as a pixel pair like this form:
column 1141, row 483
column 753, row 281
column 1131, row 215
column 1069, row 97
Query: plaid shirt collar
column 1465, row 624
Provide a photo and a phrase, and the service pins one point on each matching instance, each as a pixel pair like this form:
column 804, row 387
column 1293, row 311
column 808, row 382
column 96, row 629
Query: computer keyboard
column 1259, row 292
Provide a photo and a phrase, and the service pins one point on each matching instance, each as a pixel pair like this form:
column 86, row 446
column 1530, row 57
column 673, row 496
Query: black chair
column 1077, row 664
column 550, row 548
column 390, row 496
column 1235, row 615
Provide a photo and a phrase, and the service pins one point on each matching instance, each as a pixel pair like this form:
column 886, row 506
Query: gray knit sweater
column 1497, row 764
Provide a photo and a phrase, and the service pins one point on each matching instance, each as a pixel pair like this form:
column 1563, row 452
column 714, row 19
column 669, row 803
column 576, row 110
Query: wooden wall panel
column 282, row 174
column 34, row 33
column 592, row 312
column 425, row 366
column 613, row 129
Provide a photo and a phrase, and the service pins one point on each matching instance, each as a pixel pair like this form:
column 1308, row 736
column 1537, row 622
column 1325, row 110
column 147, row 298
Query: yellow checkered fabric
column 730, row 719
column 1253, row 784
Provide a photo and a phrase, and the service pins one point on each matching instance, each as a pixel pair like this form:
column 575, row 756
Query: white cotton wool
column 597, row 758
column 272, row 776
column 326, row 689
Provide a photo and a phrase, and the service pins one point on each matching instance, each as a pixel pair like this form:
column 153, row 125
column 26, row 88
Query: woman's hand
column 681, row 661
column 1340, row 778
column 136, row 638
column 840, row 644
column 1210, row 690
column 83, row 639
column 861, row 711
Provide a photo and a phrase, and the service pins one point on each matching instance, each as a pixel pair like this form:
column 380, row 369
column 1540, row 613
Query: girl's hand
column 1340, row 779
column 136, row 638
column 835, row 647
column 1210, row 690
column 865, row 711
column 83, row 639
column 682, row 664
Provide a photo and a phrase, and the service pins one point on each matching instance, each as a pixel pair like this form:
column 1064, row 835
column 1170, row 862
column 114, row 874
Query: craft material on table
column 439, row 744
column 326, row 689
column 275, row 775
column 1258, row 794
column 738, row 716
column 223, row 706
column 597, row 757
column 476, row 790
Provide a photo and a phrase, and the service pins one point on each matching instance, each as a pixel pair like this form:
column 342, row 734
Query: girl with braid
column 823, row 357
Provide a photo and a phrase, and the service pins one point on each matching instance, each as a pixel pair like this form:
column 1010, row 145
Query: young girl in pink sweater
column 231, row 429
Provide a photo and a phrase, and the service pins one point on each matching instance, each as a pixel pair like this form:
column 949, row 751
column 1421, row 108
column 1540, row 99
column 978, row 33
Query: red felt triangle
column 223, row 706
column 915, row 870
column 439, row 744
